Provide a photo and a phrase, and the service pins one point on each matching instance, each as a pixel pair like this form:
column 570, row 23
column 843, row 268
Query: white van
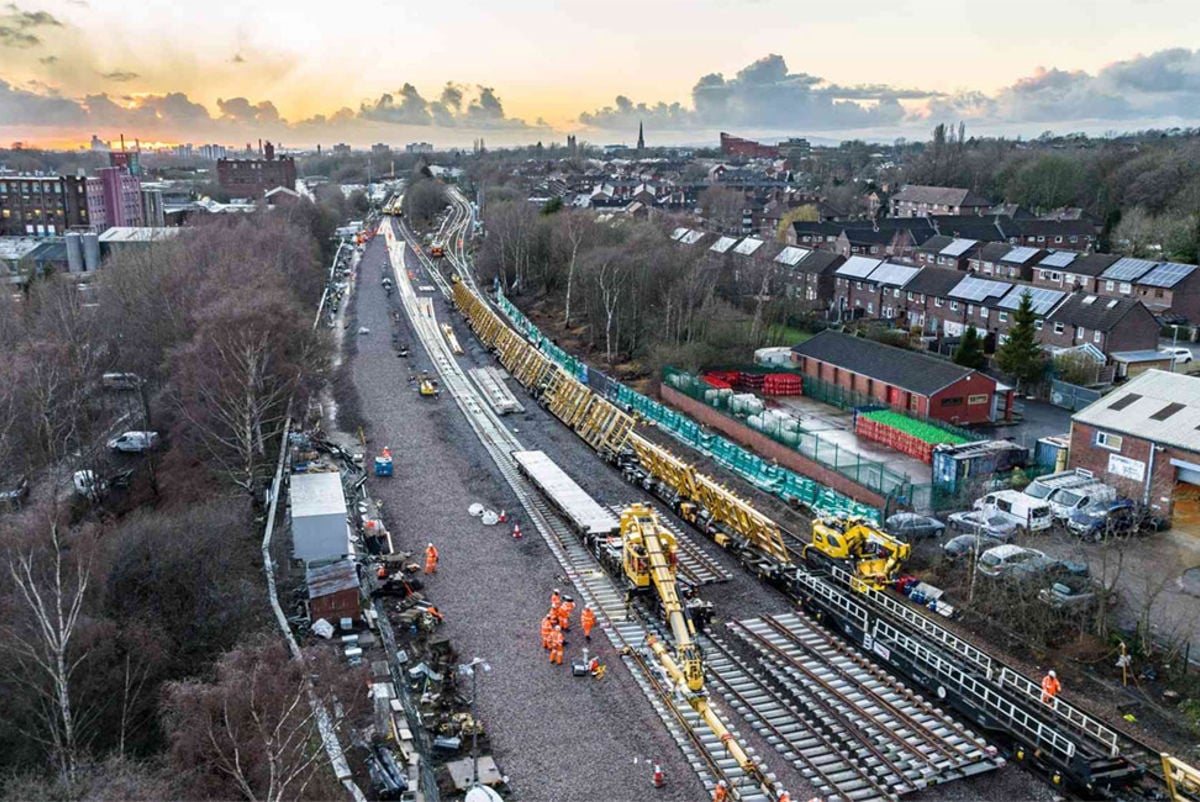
column 1043, row 487
column 1025, row 511
column 1067, row 501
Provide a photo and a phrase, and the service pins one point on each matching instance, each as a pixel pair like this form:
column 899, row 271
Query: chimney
column 122, row 143
column 260, row 147
column 269, row 151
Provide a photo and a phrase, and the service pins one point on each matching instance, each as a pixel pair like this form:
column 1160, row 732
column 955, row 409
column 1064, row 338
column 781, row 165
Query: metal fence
column 844, row 398
column 1071, row 396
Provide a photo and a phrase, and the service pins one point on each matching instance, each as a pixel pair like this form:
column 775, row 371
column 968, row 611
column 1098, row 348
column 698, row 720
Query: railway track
column 625, row 633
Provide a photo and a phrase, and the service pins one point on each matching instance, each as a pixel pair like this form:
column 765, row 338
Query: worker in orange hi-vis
column 555, row 598
column 431, row 559
column 556, row 646
column 1050, row 686
column 784, row 796
column 721, row 792
column 547, row 628
column 564, row 613
column 588, row 619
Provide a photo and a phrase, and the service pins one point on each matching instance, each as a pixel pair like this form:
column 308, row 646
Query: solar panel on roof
column 748, row 246
column 1019, row 255
column 1168, row 274
column 791, row 255
column 893, row 275
column 1042, row 299
column 857, row 267
column 978, row 289
column 958, row 247
column 1128, row 269
column 1058, row 259
column 723, row 244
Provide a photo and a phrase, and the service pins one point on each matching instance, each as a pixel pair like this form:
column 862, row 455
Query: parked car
column 1002, row 560
column 1182, row 355
column 1024, row 511
column 971, row 522
column 89, row 485
column 1068, row 501
column 15, row 492
column 120, row 381
column 1074, row 593
column 134, row 442
column 1118, row 517
column 912, row 527
column 956, row 548
column 1045, row 569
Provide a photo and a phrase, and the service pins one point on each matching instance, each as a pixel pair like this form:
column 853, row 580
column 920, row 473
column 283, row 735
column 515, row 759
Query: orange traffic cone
column 503, row 516
column 516, row 531
column 659, row 780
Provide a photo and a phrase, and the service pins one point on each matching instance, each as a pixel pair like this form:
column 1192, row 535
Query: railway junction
column 795, row 698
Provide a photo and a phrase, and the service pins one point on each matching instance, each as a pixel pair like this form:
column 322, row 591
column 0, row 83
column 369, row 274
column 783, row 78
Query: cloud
column 19, row 106
column 119, row 75
column 241, row 110
column 408, row 107
column 16, row 26
column 48, row 60
column 765, row 94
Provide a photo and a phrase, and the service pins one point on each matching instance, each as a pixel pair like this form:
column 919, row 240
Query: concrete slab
column 461, row 772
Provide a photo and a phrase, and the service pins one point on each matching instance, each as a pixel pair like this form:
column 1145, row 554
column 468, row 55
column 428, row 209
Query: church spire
column 641, row 137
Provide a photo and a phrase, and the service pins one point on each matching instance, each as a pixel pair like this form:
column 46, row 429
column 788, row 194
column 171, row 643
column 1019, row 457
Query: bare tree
column 722, row 208
column 49, row 591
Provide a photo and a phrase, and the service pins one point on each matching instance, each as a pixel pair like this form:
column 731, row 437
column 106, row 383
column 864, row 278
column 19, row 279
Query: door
column 1186, row 515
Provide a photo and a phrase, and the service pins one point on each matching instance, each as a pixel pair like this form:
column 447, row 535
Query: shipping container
column 1052, row 452
column 954, row 465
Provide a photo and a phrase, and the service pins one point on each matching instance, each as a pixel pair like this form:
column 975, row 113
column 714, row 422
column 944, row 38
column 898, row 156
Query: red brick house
column 1144, row 439
column 1067, row 270
column 906, row 380
column 919, row 201
column 1110, row 324
column 808, row 275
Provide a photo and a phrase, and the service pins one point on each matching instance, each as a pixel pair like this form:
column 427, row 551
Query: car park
column 912, row 527
column 977, row 522
column 957, row 548
column 1071, row 593
column 1002, row 560
column 134, row 442
column 1119, row 517
column 1068, row 501
column 1044, row 568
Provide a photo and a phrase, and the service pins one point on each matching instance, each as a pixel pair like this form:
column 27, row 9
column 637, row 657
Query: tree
column 807, row 214
column 253, row 731
column 969, row 353
column 722, row 208
column 50, row 583
column 1021, row 356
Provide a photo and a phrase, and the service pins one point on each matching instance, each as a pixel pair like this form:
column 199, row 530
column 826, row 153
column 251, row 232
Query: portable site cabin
column 320, row 530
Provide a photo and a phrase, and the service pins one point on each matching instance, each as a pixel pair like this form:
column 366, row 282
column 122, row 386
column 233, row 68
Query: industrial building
column 1144, row 439
column 250, row 178
column 319, row 526
column 906, row 380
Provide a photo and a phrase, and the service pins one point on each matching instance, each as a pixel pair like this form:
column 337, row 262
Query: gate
column 1071, row 396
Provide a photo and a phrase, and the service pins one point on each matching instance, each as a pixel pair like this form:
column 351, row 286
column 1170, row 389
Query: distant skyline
column 526, row 70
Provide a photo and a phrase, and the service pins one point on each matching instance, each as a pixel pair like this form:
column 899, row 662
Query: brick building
column 42, row 205
column 1110, row 324
column 250, row 178
column 1003, row 260
column 746, row 148
column 920, row 201
column 1067, row 270
column 808, row 275
column 905, row 380
column 1144, row 439
column 114, row 198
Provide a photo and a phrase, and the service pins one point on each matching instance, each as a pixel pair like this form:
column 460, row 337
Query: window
column 937, row 301
column 1080, row 332
column 1043, row 275
column 1109, row 286
column 858, row 285
column 983, row 313
column 952, row 402
column 1126, row 288
column 896, row 293
column 909, row 295
column 1110, row 441
column 1074, row 238
column 982, row 398
column 1167, row 411
column 1058, row 238
column 1037, row 325
column 954, row 306
column 870, row 308
column 1096, row 337
column 971, row 309
column 1124, row 401
column 1056, row 277
column 1059, row 328
column 1158, row 293
column 1003, row 316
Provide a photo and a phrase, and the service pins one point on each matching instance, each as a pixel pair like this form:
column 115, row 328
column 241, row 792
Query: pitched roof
column 936, row 281
column 1093, row 311
column 958, row 247
column 858, row 267
column 945, row 196
column 911, row 370
column 1092, row 264
column 821, row 263
column 935, row 243
column 1020, row 255
column 994, row 251
column 324, row 580
column 985, row 229
column 1143, row 408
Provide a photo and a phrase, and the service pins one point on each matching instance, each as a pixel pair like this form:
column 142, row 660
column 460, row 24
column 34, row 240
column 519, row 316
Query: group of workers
column 558, row 621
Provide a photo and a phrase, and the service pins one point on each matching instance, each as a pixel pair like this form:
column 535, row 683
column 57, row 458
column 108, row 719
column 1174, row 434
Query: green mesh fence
column 870, row 473
column 762, row 474
column 843, row 398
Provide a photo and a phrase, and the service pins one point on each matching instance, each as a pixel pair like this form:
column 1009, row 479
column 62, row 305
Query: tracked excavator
column 650, row 558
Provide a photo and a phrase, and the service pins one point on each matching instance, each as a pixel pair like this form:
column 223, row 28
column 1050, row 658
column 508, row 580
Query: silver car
column 979, row 522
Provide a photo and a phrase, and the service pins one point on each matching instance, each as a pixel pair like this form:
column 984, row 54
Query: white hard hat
column 1052, row 673
column 722, row 784
column 431, row 543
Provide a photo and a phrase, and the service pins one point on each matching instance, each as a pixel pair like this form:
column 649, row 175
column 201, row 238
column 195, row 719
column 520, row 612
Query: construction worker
column 547, row 628
column 784, row 796
column 555, row 598
column 431, row 559
column 1050, row 687
column 588, row 619
column 564, row 613
column 556, row 646
column 721, row 792
column 381, row 573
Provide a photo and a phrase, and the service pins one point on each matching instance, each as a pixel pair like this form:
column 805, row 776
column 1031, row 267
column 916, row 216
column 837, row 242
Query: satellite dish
column 481, row 793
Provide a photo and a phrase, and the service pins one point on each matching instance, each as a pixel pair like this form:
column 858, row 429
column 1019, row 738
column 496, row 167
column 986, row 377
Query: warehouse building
column 905, row 380
column 320, row 530
column 1144, row 439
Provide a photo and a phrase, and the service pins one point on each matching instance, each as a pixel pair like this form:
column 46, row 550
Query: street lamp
column 468, row 669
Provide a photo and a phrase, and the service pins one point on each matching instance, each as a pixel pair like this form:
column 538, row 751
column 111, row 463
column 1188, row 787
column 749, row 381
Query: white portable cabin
column 320, row 530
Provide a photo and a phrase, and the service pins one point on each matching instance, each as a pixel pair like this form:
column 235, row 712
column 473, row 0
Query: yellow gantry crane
column 650, row 557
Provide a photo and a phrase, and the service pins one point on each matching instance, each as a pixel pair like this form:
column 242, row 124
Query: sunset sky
column 522, row 70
